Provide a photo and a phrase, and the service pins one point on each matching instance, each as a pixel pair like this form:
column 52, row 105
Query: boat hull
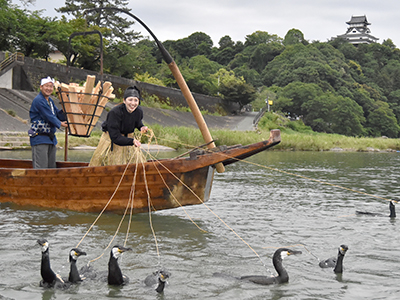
column 154, row 185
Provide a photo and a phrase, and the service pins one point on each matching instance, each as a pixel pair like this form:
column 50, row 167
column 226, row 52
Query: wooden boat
column 153, row 185
column 166, row 183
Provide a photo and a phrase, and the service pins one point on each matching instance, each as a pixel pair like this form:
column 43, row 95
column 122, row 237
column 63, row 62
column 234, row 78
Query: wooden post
column 66, row 145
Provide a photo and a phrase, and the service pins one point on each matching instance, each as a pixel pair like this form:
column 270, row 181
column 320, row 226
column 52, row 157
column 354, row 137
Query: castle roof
column 358, row 20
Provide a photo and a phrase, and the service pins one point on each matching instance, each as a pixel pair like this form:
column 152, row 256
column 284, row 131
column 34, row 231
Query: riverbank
column 173, row 138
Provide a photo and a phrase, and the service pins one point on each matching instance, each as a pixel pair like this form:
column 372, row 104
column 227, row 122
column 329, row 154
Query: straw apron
column 119, row 155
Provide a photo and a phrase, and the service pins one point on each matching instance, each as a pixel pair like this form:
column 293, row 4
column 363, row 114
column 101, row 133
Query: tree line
column 333, row 86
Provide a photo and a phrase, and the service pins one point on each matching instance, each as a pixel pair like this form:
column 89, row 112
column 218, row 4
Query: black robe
column 120, row 123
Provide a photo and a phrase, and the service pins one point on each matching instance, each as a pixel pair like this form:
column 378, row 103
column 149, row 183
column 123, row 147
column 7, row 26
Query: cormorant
column 392, row 209
column 336, row 263
column 158, row 277
column 49, row 278
column 115, row 276
column 282, row 277
column 74, row 276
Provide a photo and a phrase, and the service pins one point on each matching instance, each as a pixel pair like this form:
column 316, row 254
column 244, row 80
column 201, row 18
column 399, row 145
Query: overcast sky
column 317, row 19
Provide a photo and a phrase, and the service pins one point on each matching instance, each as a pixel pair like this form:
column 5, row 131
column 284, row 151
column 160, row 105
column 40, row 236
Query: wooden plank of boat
column 76, row 186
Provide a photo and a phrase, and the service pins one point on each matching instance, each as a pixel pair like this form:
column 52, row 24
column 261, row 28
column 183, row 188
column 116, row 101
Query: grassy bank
column 184, row 137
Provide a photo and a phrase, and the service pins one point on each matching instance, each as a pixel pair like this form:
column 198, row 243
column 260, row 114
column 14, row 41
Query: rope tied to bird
column 106, row 154
column 140, row 158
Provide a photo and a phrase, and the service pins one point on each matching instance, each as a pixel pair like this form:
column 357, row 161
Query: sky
column 318, row 20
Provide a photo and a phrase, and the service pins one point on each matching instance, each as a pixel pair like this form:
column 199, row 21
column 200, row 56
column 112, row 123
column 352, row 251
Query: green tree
column 30, row 34
column 389, row 43
column 347, row 117
column 334, row 114
column 394, row 103
column 349, row 51
column 389, row 76
column 123, row 59
column 250, row 75
column 198, row 75
column 382, row 121
column 146, row 77
column 294, row 36
column 363, row 98
column 261, row 37
column 314, row 63
column 197, row 43
column 58, row 35
column 8, row 24
column 226, row 42
column 234, row 89
column 318, row 112
column 118, row 24
column 262, row 54
column 223, row 56
column 297, row 93
column 261, row 96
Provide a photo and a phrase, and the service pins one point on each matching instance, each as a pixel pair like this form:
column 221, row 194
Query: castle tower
column 358, row 31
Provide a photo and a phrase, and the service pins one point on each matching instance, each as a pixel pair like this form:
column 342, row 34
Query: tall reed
column 188, row 137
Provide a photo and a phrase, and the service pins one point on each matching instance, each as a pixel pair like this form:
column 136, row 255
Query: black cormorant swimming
column 158, row 278
column 336, row 263
column 392, row 214
column 49, row 278
column 282, row 277
column 115, row 276
column 74, row 276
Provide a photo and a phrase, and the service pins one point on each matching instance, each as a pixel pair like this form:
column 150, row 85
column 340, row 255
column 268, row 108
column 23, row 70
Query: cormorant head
column 117, row 251
column 75, row 253
column 283, row 252
column 162, row 278
column 343, row 249
column 163, row 275
column 44, row 244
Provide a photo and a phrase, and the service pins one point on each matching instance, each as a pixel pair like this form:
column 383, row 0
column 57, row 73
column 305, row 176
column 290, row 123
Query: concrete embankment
column 14, row 115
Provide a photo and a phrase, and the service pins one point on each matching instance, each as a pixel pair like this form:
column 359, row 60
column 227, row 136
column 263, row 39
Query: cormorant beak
column 294, row 252
column 123, row 249
column 42, row 242
column 343, row 248
column 79, row 253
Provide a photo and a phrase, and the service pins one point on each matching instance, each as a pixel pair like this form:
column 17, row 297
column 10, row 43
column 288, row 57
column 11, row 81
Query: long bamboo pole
column 201, row 123
column 181, row 82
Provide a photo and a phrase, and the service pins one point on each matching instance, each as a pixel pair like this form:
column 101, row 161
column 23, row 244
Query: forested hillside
column 333, row 86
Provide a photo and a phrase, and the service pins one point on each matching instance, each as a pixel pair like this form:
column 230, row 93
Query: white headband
column 47, row 80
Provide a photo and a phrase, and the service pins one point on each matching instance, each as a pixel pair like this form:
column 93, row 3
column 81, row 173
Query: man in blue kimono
column 45, row 119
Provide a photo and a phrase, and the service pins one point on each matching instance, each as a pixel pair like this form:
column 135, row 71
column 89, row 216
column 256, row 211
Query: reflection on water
column 265, row 207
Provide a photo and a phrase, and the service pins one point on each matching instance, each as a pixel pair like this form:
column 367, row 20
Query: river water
column 264, row 208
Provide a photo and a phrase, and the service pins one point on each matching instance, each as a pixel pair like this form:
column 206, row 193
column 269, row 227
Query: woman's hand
column 136, row 143
column 144, row 129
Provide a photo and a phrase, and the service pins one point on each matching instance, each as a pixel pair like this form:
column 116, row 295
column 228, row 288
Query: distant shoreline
column 184, row 137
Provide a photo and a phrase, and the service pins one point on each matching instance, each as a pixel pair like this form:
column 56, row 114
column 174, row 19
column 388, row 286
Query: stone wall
column 27, row 77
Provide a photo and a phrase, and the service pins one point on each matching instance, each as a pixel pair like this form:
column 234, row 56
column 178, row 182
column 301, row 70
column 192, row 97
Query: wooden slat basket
column 83, row 105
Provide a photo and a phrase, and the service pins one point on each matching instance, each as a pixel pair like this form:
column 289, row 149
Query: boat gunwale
column 200, row 158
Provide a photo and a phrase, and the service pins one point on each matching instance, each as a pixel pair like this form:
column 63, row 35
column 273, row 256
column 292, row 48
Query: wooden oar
column 181, row 82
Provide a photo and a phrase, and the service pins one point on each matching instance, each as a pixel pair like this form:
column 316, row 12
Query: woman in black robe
column 118, row 131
